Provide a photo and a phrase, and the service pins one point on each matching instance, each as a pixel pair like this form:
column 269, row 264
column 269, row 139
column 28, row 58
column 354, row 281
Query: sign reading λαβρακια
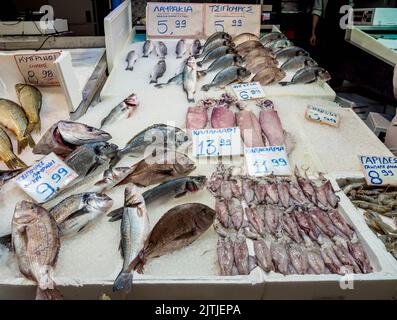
column 379, row 170
column 320, row 115
column 248, row 91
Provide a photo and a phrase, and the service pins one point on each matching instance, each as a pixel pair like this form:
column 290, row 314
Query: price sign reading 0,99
column 46, row 178
column 379, row 170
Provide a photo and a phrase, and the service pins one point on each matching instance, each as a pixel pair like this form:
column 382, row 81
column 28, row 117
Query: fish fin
column 115, row 214
column 116, row 159
column 205, row 87
column 201, row 73
column 48, row 294
column 123, row 282
column 129, row 68
column 181, row 194
column 153, row 81
column 15, row 163
column 285, row 83
column 77, row 213
column 138, row 263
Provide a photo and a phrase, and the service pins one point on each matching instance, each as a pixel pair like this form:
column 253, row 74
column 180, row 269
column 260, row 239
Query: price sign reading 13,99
column 379, row 170
column 45, row 178
column 174, row 20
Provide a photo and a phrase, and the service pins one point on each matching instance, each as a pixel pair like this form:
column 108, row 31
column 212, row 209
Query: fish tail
column 129, row 68
column 160, row 85
column 115, row 214
column 123, row 281
column 285, row 83
column 48, row 294
column 200, row 63
column 15, row 163
column 32, row 127
column 205, row 87
column 22, row 144
column 153, row 81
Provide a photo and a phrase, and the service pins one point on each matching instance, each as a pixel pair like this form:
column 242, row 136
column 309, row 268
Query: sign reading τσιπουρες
column 174, row 20
column 38, row 68
column 216, row 142
column 379, row 170
column 232, row 18
column 45, row 178
column 267, row 161
column 320, row 115
column 248, row 91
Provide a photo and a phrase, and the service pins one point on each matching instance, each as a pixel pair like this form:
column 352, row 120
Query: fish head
column 243, row 73
column 230, row 50
column 323, row 75
column 132, row 100
column 239, row 60
column 79, row 133
column 19, row 87
column 301, row 52
column 229, row 43
column 227, row 36
column 97, row 201
column 204, row 218
column 120, row 173
column 197, row 183
column 280, row 74
column 27, row 212
column 310, row 63
column 191, row 62
column 133, row 198
column 181, row 137
column 107, row 150
column 183, row 164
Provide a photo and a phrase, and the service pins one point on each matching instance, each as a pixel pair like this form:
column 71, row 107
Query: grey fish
column 225, row 61
column 215, row 36
column 85, row 159
column 131, row 58
column 227, row 76
column 158, row 71
column 189, row 78
column 290, row 52
column 147, row 48
column 297, row 63
column 161, row 49
column 7, row 175
column 112, row 177
column 175, row 188
column 177, row 79
column 124, row 110
column 271, row 36
column 309, row 75
column 180, row 49
column 215, row 44
column 279, row 44
column 6, row 152
column 196, row 47
column 79, row 134
column 216, row 53
column 134, row 229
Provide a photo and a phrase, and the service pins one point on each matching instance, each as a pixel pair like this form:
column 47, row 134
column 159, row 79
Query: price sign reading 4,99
column 379, row 170
column 216, row 142
column 232, row 18
column 46, row 178
column 266, row 161
column 174, row 20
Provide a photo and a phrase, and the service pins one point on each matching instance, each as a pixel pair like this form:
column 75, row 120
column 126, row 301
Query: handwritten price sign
column 38, row 68
column 46, row 178
column 379, row 171
column 267, row 161
column 216, row 142
column 232, row 18
column 323, row 116
column 248, row 91
column 174, row 20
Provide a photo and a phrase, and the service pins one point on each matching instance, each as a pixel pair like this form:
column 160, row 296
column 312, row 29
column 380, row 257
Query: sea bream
column 30, row 99
column 131, row 58
column 244, row 37
column 123, row 110
column 297, row 63
column 215, row 44
column 227, row 76
column 7, row 154
column 215, row 36
column 215, row 54
column 225, row 61
column 271, row 36
column 158, row 71
column 269, row 75
column 161, row 49
column 180, row 49
column 147, row 48
column 309, row 75
column 196, row 47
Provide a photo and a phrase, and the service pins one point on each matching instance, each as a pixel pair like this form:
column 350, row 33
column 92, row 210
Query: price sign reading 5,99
column 266, row 161
column 379, row 170
column 46, row 178
column 174, row 20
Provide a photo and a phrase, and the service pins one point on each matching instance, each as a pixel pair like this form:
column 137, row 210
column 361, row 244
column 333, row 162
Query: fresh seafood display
column 158, row 71
column 148, row 47
column 131, row 58
column 30, row 99
column 124, row 110
column 244, row 37
column 309, row 75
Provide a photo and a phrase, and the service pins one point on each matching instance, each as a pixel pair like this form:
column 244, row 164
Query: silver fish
column 225, row 61
column 297, row 63
column 290, row 52
column 124, row 110
column 227, row 76
column 79, row 134
column 148, row 47
column 112, row 177
column 196, row 47
column 279, row 44
column 158, row 71
column 215, row 54
column 7, row 175
column 131, row 58
column 271, row 36
column 161, row 50
column 215, row 36
column 189, row 78
column 309, row 75
column 180, row 49
column 215, row 44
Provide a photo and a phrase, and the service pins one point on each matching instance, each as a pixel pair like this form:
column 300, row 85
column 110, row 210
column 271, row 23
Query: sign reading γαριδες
column 174, row 20
column 267, row 161
column 216, row 142
column 38, row 68
column 379, row 170
column 248, row 91
column 232, row 18
column 323, row 116
column 45, row 178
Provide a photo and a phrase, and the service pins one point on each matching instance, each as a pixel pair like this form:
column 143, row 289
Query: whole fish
column 196, row 118
column 225, row 61
column 246, row 47
column 189, row 78
column 290, row 52
column 227, row 76
column 271, row 36
column 279, row 44
column 35, row 239
column 30, row 99
column 112, row 177
column 309, row 75
column 250, row 129
column 215, row 54
column 236, row 212
column 124, row 110
column 297, row 63
column 259, row 52
column 7, row 175
column 180, row 49
column 225, row 252
column 215, row 36
column 244, row 37
column 299, row 259
column 160, row 168
column 271, row 125
column 6, row 152
column 195, row 48
column 241, row 254
column 269, row 75
column 263, row 255
column 158, row 71
column 161, row 50
column 85, row 159
column 215, row 44
column 134, row 229
column 14, row 119
column 222, row 117
column 176, row 229
column 263, row 64
column 79, row 134
column 147, row 48
column 131, row 58
column 280, row 257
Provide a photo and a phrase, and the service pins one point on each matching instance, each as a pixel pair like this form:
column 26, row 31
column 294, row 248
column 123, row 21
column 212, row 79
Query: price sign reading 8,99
column 46, row 178
column 379, row 170
column 266, row 161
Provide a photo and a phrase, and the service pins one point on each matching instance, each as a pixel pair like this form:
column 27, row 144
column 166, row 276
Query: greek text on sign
column 379, row 170
column 248, row 91
column 174, row 20
column 216, row 142
column 320, row 115
column 266, row 161
column 46, row 178
column 38, row 68
column 232, row 18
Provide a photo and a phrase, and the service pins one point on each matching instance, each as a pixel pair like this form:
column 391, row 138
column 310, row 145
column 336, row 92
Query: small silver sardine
column 131, row 58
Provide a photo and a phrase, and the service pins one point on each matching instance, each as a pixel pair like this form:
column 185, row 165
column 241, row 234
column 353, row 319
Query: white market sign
column 320, row 115
column 248, row 91
column 379, row 170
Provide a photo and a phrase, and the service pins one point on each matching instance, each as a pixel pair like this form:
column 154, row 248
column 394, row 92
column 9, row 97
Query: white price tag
column 38, row 68
column 216, row 142
column 248, row 91
column 232, row 18
column 174, row 20
column 321, row 115
column 266, row 161
column 46, row 178
column 379, row 170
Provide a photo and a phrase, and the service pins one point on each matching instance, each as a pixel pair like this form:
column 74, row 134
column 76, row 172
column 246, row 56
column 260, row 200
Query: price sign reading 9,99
column 267, row 161
column 174, row 20
column 46, row 178
column 379, row 170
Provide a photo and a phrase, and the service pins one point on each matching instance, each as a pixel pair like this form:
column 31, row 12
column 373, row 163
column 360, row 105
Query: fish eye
column 185, row 138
